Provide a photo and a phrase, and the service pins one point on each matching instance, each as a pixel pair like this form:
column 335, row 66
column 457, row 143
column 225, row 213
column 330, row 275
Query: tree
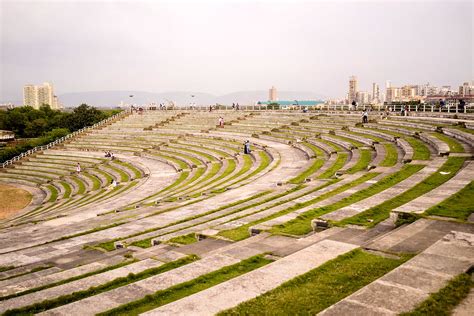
column 84, row 115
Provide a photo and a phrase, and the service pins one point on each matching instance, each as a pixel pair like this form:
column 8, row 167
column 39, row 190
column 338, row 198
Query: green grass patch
column 106, row 175
column 94, row 290
column 444, row 301
column 67, row 189
column 420, row 150
column 458, row 206
column 391, row 155
column 363, row 162
column 302, row 224
column 454, row 146
column 338, row 164
column 376, row 214
column 185, row 289
column 6, row 268
column 124, row 177
column 54, row 193
column 81, row 187
column 137, row 174
column 320, row 288
column 184, row 240
column 315, row 166
column 334, row 146
column 95, row 182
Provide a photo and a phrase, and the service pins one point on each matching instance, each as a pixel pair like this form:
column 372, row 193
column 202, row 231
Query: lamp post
column 131, row 104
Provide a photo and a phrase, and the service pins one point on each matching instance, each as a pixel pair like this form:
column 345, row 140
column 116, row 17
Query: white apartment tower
column 375, row 93
column 352, row 89
column 37, row 95
column 272, row 94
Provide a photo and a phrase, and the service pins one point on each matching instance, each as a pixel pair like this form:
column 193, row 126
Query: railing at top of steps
column 62, row 139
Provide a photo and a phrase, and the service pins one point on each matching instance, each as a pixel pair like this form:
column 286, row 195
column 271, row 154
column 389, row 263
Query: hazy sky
column 225, row 46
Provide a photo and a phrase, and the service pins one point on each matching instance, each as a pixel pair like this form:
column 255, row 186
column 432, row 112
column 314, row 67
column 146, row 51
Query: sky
column 222, row 46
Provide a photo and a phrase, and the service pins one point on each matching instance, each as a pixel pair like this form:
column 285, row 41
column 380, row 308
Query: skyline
column 220, row 48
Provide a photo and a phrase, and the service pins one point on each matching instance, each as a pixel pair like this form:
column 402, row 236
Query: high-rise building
column 407, row 92
column 272, row 95
column 36, row 96
column 467, row 89
column 362, row 97
column 352, row 89
column 393, row 94
column 375, row 93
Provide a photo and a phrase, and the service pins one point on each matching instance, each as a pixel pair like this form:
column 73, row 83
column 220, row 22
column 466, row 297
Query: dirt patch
column 12, row 200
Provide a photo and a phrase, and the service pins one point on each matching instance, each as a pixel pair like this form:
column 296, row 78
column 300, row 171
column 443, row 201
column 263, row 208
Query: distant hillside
column 113, row 98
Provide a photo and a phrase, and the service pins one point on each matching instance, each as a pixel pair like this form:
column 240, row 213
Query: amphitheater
column 325, row 215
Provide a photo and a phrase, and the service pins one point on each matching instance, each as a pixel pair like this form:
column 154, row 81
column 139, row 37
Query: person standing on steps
column 78, row 168
column 365, row 117
column 247, row 147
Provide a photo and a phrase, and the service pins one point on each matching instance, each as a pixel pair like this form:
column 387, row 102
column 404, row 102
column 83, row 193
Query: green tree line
column 39, row 127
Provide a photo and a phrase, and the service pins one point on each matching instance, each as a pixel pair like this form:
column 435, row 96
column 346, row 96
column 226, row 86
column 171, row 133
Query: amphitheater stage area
column 323, row 215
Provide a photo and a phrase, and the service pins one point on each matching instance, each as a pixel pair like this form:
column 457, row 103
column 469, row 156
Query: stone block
column 254, row 231
column 155, row 242
column 318, row 224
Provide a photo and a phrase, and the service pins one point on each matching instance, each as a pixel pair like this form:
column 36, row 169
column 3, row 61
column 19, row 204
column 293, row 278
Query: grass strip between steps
column 184, row 240
column 446, row 299
column 181, row 290
column 78, row 277
column 94, row 290
column 37, row 269
column 420, row 150
column 454, row 145
column 391, row 155
column 315, row 166
column 375, row 215
column 363, row 161
column 302, row 224
column 320, row 288
column 338, row 164
column 458, row 205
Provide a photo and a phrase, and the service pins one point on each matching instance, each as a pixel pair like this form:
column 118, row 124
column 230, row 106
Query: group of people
column 235, row 106
column 109, row 154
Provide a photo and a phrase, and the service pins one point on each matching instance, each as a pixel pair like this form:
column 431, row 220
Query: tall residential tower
column 36, row 96
column 272, row 94
column 352, row 89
